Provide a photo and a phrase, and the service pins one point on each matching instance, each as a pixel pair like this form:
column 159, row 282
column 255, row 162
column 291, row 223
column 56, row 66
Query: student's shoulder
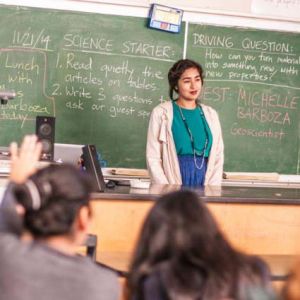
column 87, row 267
column 102, row 278
column 102, row 271
column 102, row 282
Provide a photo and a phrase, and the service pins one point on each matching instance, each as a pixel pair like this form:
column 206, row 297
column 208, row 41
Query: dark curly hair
column 177, row 70
column 52, row 198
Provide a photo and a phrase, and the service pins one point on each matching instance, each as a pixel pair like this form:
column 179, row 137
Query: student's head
column 181, row 235
column 181, row 242
column 180, row 225
column 176, row 72
column 53, row 198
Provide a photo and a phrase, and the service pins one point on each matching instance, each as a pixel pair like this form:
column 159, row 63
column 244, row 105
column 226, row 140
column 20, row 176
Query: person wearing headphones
column 52, row 204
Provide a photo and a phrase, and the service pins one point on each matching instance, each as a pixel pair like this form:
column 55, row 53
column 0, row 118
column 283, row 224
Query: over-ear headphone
column 31, row 196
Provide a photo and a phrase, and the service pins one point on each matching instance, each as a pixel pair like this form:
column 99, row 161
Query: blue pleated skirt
column 190, row 174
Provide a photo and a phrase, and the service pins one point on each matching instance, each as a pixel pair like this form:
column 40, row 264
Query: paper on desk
column 4, row 166
column 2, row 190
column 252, row 176
column 130, row 172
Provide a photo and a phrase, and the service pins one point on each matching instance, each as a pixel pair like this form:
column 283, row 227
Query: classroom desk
column 258, row 220
column 262, row 221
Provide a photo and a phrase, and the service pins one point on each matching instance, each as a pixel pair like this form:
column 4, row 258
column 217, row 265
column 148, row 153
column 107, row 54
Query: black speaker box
column 45, row 131
column 92, row 166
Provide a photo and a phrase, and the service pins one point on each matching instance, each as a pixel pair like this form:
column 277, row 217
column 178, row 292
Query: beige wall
column 266, row 14
column 278, row 9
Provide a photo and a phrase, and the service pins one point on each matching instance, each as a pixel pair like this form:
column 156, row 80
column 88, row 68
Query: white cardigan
column 162, row 161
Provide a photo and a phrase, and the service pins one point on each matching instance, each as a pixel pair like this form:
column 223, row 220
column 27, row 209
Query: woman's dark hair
column 52, row 198
column 177, row 70
column 181, row 244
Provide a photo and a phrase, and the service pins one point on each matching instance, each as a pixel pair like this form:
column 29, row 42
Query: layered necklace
column 192, row 138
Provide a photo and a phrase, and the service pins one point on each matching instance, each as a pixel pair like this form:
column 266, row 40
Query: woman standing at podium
column 184, row 143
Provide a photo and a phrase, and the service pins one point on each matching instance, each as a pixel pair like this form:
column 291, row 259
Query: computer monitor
column 67, row 153
column 93, row 167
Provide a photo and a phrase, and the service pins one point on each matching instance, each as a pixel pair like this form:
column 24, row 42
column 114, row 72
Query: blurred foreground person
column 52, row 204
column 182, row 255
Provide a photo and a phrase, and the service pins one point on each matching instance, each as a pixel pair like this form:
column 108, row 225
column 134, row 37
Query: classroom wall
column 279, row 9
column 282, row 15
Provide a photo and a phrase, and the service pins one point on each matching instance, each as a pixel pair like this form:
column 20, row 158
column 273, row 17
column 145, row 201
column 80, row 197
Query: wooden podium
column 255, row 220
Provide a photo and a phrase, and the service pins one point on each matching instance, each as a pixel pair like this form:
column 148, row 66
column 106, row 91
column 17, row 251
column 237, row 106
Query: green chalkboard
column 99, row 75
column 253, row 80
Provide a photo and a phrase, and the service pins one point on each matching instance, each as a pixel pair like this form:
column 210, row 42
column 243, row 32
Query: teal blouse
column 199, row 128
